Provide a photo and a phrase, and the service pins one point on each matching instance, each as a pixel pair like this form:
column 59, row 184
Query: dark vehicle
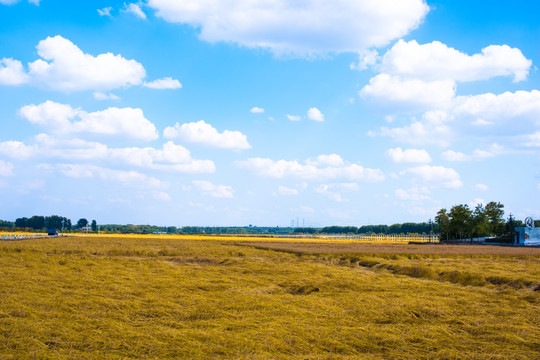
column 52, row 232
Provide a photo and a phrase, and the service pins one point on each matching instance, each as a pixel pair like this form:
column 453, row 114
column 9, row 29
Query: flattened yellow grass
column 160, row 297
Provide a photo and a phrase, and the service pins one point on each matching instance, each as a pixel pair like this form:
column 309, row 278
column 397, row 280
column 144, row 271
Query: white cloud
column 413, row 194
column 12, row 72
column 202, row 133
column 496, row 109
column 293, row 117
column 125, row 122
column 410, row 94
column 6, row 168
column 366, row 59
column 310, row 170
column 327, row 160
column 477, row 155
column 217, row 191
column 98, row 95
column 446, row 177
column 437, row 61
column 11, row 2
column 17, row 150
column 135, row 9
column 257, row 110
column 315, row 114
column 334, row 191
column 481, row 187
column 65, row 67
column 282, row 190
column 409, row 155
column 297, row 28
column 433, row 129
column 170, row 157
column 476, row 115
column 165, row 83
column 132, row 179
column 105, row 11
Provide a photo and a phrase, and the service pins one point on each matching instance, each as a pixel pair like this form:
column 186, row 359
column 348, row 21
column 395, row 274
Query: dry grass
column 366, row 247
column 169, row 298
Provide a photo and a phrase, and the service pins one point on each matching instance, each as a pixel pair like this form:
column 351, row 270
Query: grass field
column 122, row 297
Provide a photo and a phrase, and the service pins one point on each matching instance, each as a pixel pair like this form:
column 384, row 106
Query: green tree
column 82, row 223
column 94, row 225
column 511, row 225
column 460, row 224
column 495, row 216
column 56, row 222
column 443, row 223
column 480, row 221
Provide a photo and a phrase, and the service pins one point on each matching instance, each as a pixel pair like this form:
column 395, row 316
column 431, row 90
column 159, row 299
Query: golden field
column 170, row 297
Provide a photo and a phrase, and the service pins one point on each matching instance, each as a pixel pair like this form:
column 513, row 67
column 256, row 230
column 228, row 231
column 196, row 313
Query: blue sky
column 238, row 112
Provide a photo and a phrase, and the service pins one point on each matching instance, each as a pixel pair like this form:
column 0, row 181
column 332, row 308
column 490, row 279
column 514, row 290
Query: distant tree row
column 461, row 222
column 43, row 222
column 405, row 228
column 40, row 223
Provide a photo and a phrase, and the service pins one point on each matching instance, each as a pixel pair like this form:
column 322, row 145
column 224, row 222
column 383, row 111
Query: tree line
column 458, row 223
column 395, row 229
column 461, row 222
column 41, row 223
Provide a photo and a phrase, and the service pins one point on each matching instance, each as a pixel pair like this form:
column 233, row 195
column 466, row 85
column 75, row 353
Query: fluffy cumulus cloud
column 210, row 189
column 409, row 155
column 315, row 114
column 476, row 155
column 121, row 122
column 436, row 61
column 65, row 67
column 496, row 109
column 165, row 83
column 17, row 150
column 297, row 28
column 170, row 157
column 12, row 72
column 323, row 168
column 432, row 129
column 477, row 115
column 422, row 78
column 410, row 94
column 202, row 133
column 435, row 175
column 133, row 179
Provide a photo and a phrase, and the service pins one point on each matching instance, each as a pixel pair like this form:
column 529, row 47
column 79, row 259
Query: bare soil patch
column 390, row 248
